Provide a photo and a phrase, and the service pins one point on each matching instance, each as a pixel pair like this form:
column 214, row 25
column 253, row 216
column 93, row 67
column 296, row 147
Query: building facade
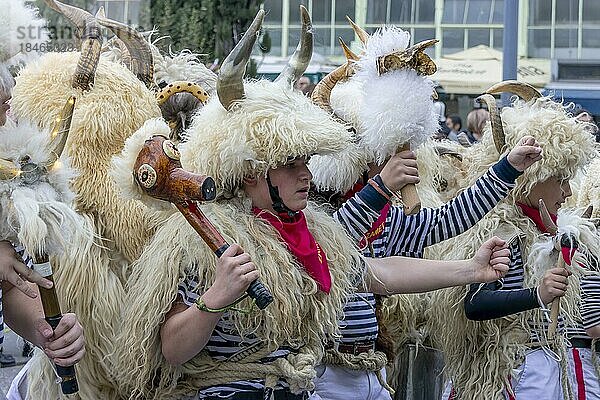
column 565, row 29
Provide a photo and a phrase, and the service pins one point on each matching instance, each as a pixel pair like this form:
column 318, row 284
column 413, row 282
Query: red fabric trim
column 510, row 390
column 377, row 227
column 579, row 375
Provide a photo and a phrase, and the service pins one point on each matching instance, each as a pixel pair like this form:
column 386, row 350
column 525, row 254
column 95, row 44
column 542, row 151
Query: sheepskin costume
column 480, row 356
column 260, row 132
column 36, row 214
column 180, row 108
column 94, row 275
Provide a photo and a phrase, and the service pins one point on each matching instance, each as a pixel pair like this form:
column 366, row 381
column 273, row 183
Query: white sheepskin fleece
column 400, row 108
column 262, row 131
column 122, row 165
column 566, row 145
column 339, row 172
column 20, row 25
column 38, row 214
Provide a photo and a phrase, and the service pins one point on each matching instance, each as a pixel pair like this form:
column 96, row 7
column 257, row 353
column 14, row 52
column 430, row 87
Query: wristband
column 203, row 307
column 379, row 190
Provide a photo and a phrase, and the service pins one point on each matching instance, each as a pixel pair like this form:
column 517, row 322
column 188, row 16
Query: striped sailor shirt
column 408, row 235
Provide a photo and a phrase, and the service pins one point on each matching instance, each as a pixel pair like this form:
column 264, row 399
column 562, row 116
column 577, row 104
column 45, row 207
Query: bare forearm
column 185, row 333
column 22, row 312
column 394, row 275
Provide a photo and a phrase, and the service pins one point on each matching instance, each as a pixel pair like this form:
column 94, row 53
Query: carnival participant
column 185, row 332
column 507, row 353
column 381, row 228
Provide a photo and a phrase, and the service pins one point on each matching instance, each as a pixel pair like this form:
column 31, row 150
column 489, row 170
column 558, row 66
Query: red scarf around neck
column 301, row 243
column 534, row 215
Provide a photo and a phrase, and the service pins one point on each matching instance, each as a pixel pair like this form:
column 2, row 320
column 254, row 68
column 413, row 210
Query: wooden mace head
column 158, row 171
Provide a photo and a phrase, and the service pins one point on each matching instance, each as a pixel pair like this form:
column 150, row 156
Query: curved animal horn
column 179, row 87
column 60, row 131
column 495, row 121
column 360, row 32
column 301, row 57
column 546, row 219
column 321, row 95
column 141, row 61
column 8, row 170
column 230, row 84
column 521, row 89
column 91, row 46
column 349, row 54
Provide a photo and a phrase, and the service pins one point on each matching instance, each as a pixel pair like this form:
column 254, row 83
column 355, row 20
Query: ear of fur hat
column 338, row 172
column 398, row 107
column 122, row 165
column 22, row 31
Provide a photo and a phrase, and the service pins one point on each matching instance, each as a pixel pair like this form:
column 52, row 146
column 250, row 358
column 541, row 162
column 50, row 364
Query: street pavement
column 13, row 345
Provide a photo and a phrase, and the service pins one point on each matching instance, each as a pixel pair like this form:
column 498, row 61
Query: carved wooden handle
column 53, row 315
column 257, row 291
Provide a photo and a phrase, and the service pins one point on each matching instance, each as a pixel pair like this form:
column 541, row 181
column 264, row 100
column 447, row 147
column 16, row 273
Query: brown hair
column 476, row 120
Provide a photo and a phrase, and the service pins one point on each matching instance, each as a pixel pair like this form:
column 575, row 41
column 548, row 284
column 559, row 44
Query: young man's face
column 553, row 191
column 292, row 181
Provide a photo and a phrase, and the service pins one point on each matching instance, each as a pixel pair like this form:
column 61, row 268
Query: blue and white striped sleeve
column 358, row 214
column 590, row 301
column 470, row 206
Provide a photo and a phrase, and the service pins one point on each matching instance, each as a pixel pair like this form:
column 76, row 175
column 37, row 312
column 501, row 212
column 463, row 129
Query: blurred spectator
column 305, row 85
column 454, row 124
column 476, row 121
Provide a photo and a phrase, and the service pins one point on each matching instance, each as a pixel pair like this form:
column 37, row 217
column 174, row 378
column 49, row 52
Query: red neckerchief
column 301, row 243
column 377, row 228
column 534, row 215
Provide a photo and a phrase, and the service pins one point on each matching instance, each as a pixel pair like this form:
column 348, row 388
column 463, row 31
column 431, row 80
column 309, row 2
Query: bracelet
column 379, row 190
column 203, row 307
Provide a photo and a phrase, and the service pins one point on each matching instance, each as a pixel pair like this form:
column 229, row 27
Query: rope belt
column 298, row 370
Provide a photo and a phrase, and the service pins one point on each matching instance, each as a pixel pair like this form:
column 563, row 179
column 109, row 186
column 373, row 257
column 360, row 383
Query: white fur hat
column 21, row 29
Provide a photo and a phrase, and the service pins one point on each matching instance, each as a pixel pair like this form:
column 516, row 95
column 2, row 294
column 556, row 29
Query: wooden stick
column 555, row 305
column 53, row 315
column 408, row 194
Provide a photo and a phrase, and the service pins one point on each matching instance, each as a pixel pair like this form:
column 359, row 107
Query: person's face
column 553, row 191
column 292, row 181
column 449, row 124
column 303, row 83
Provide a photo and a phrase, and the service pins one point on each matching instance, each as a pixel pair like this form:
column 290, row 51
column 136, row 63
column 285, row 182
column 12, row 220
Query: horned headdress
column 567, row 145
column 250, row 127
column 387, row 101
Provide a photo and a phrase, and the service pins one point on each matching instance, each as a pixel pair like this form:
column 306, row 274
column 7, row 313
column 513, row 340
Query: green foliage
column 265, row 42
column 210, row 27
